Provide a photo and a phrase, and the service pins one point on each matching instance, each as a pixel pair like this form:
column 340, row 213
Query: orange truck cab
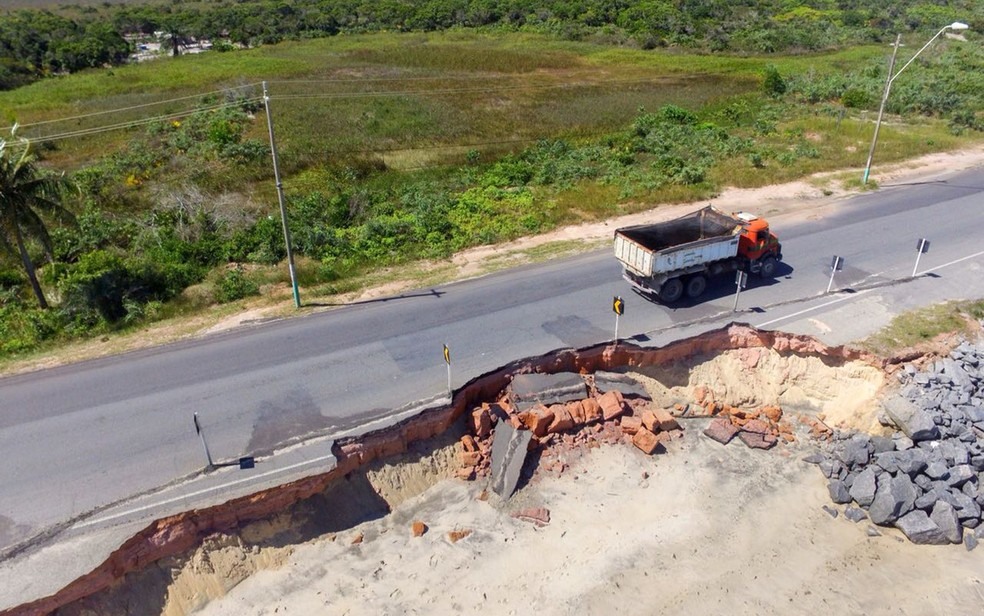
column 756, row 241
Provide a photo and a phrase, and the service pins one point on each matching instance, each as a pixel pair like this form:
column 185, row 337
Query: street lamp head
column 957, row 25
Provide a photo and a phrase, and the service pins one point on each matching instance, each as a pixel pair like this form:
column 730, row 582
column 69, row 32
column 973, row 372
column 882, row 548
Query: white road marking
column 200, row 492
column 817, row 307
column 976, row 254
column 859, row 293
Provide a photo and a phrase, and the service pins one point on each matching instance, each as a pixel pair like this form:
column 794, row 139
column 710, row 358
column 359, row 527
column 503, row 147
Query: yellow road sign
column 447, row 355
column 618, row 305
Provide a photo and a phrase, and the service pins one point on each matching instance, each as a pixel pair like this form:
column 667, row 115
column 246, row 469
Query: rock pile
column 926, row 478
column 567, row 413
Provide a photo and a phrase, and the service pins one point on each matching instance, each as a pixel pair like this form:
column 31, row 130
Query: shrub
column 774, row 85
column 856, row 98
column 234, row 285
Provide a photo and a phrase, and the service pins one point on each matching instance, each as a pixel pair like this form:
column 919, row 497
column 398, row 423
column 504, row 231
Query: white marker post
column 618, row 307
column 922, row 246
column 837, row 263
column 741, row 279
column 447, row 360
column 198, row 429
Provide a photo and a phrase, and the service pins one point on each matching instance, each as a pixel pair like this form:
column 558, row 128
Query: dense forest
column 410, row 130
column 71, row 37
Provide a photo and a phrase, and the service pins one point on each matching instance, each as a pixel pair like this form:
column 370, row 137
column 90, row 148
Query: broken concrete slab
column 628, row 386
column 526, row 390
column 509, row 447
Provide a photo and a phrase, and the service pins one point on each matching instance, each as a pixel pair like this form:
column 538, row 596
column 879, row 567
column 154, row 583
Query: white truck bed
column 704, row 236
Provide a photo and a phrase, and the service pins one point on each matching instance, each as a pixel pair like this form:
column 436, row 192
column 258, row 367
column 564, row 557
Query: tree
column 26, row 193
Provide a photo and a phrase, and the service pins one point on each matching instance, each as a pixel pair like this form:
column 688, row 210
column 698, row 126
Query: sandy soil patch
column 701, row 529
column 843, row 396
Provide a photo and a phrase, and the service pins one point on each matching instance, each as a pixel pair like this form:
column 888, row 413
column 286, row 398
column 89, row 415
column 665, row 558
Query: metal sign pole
column 447, row 360
column 198, row 429
column 921, row 246
column 836, row 263
column 618, row 307
column 740, row 283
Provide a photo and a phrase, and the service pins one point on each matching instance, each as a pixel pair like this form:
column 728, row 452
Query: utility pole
column 881, row 108
column 280, row 198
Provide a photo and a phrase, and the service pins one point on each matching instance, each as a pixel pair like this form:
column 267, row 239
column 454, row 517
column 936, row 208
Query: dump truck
column 667, row 260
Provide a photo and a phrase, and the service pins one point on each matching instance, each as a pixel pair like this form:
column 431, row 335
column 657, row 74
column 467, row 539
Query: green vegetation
column 918, row 326
column 396, row 148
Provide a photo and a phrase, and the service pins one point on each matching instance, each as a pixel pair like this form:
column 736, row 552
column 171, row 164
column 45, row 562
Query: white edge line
column 200, row 492
column 859, row 293
column 932, row 269
column 812, row 308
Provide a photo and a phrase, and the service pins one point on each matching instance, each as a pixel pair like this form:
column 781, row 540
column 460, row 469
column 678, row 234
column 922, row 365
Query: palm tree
column 25, row 194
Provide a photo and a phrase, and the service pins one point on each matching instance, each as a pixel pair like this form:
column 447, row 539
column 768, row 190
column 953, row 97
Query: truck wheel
column 696, row 286
column 671, row 291
column 768, row 267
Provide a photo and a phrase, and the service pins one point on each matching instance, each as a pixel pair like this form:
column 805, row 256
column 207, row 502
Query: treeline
column 35, row 43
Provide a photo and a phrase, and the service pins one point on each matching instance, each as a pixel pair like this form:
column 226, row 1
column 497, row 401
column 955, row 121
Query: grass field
column 418, row 100
column 400, row 147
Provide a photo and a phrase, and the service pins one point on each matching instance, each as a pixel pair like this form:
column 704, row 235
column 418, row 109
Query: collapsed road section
column 765, row 387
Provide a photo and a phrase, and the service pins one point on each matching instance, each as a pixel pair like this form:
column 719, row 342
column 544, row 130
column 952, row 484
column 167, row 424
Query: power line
column 337, row 95
column 131, row 108
column 84, row 132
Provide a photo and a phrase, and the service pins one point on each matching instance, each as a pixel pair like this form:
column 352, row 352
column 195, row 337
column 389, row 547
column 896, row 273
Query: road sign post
column 618, row 307
column 447, row 360
column 922, row 246
column 198, row 429
column 837, row 263
column 741, row 279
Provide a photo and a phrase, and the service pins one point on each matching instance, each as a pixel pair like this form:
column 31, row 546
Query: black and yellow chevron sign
column 447, row 355
column 618, row 305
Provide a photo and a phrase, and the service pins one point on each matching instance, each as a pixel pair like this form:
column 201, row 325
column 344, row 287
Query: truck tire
column 671, row 291
column 768, row 267
column 696, row 286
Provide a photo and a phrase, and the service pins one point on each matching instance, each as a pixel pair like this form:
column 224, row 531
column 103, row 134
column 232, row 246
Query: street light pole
column 881, row 108
column 888, row 86
column 280, row 198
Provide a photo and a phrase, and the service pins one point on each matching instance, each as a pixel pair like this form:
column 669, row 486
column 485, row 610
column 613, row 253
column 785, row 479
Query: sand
column 701, row 529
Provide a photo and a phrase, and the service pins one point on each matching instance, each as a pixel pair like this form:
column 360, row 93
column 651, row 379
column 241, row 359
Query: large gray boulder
column 915, row 422
column 960, row 474
column 838, row 492
column 919, row 528
column 864, row 487
column 895, row 497
column 945, row 517
column 854, row 451
column 912, row 462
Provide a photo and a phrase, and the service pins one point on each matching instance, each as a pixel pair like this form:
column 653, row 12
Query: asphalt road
column 80, row 437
